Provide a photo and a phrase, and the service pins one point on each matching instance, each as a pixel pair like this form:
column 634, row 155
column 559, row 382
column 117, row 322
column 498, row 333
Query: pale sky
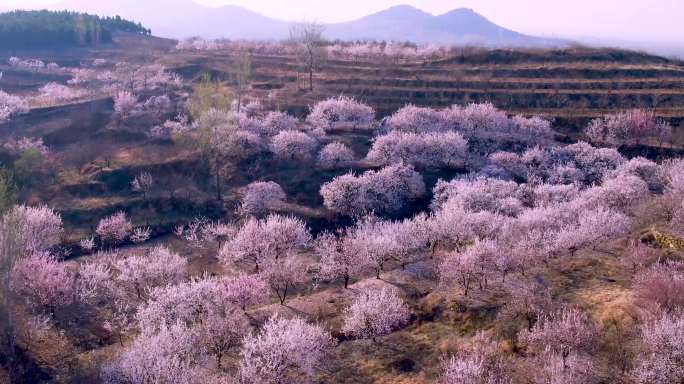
column 637, row 20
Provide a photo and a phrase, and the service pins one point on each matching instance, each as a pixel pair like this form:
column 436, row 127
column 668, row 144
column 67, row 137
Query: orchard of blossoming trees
column 452, row 245
column 630, row 127
column 11, row 105
column 336, row 50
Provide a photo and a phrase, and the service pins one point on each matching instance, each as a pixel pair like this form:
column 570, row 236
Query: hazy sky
column 641, row 20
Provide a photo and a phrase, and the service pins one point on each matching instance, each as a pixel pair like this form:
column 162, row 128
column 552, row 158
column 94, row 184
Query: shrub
column 427, row 150
column 335, row 155
column 262, row 196
column 386, row 190
column 341, row 110
column 293, row 145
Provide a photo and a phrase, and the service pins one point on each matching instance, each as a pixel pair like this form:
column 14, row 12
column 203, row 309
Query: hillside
column 160, row 236
column 35, row 29
column 570, row 85
column 184, row 18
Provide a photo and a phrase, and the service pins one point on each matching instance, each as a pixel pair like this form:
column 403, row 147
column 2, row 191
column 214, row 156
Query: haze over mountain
column 184, row 18
column 459, row 26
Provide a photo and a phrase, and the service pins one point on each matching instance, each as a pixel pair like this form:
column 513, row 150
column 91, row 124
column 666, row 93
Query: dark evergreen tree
column 27, row 29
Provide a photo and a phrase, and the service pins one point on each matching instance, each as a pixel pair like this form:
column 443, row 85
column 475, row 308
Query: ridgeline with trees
column 27, row 29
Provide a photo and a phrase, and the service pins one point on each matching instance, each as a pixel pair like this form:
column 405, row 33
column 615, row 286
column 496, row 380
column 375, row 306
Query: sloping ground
column 574, row 84
column 443, row 318
column 569, row 85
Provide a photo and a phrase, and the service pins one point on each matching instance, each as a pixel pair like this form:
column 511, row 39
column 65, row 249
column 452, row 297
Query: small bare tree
column 308, row 37
column 242, row 75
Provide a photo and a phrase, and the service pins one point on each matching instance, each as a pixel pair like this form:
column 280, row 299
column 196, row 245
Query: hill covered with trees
column 174, row 221
column 26, row 29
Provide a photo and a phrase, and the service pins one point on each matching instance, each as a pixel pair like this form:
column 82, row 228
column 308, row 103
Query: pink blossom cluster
column 375, row 313
column 114, row 229
column 187, row 302
column 201, row 232
column 270, row 48
column 262, row 196
column 43, row 281
column 293, row 145
column 171, row 355
column 473, row 120
column 52, row 93
column 370, row 245
column 386, row 190
column 140, row 235
column 481, row 194
column 341, row 110
column 18, row 147
column 262, row 242
column 337, row 260
column 30, row 64
column 502, row 230
column 629, row 127
column 123, row 76
column 378, row 50
column 576, row 163
column 479, row 363
column 124, row 279
column 276, row 122
column 137, row 273
column 125, row 104
column 11, row 105
column 245, row 290
column 285, row 350
column 335, row 155
column 662, row 358
column 661, row 286
column 426, row 150
column 37, row 229
column 176, row 127
column 198, row 44
column 253, row 109
column 417, row 120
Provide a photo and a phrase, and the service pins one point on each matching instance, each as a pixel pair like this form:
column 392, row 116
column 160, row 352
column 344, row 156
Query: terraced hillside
column 168, row 230
column 571, row 85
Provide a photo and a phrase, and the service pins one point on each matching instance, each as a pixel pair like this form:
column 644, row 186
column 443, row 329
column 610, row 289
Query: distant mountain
column 460, row 26
column 184, row 18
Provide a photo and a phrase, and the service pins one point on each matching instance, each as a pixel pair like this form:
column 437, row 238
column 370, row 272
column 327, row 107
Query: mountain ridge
column 185, row 18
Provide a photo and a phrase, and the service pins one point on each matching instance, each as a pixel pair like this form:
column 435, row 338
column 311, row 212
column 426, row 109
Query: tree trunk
column 282, row 299
column 311, row 70
column 218, row 182
column 311, row 79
